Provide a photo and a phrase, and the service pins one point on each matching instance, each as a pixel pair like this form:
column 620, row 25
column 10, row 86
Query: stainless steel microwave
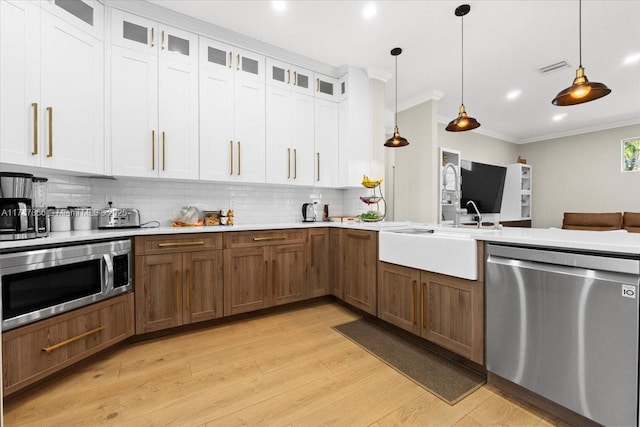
column 41, row 283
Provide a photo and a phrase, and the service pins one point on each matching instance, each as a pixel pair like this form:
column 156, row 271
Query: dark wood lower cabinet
column 360, row 261
column 398, row 295
column 263, row 269
column 446, row 310
column 35, row 351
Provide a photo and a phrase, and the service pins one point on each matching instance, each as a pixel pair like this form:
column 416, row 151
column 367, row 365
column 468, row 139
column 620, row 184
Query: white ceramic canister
column 80, row 217
column 60, row 219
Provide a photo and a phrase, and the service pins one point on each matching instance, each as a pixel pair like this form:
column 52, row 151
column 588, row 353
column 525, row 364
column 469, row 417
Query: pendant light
column 396, row 140
column 463, row 122
column 582, row 90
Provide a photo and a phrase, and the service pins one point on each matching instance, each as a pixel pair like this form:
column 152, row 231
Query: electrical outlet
column 108, row 200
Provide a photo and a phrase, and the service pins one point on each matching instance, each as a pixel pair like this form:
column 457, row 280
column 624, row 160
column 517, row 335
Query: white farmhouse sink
column 451, row 253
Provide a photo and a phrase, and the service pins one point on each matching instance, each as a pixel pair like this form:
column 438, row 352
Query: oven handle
column 108, row 279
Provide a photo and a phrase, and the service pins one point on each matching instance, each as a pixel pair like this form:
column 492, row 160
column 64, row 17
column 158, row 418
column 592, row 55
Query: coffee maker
column 17, row 219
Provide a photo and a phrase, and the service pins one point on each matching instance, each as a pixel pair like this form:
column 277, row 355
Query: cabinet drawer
column 243, row 239
column 36, row 351
column 177, row 243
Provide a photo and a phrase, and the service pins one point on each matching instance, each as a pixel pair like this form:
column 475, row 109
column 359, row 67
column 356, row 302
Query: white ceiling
column 505, row 43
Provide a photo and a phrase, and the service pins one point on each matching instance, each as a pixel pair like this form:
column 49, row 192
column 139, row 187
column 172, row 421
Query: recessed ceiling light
column 632, row 59
column 559, row 117
column 369, row 11
column 514, row 94
column 279, row 6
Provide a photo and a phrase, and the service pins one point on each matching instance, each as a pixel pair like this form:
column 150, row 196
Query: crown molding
column 375, row 73
column 432, row 95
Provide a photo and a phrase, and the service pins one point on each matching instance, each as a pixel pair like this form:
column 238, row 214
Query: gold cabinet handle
column 238, row 62
column 295, row 78
column 266, row 274
column 50, row 114
column 153, row 37
column 163, row 151
column 273, row 277
column 263, row 239
column 239, row 160
column 231, row 158
column 295, row 163
column 230, row 59
column 414, row 285
column 317, row 85
column 176, row 284
column 153, row 150
column 180, row 244
column 188, row 290
column 318, row 158
column 70, row 340
column 288, row 163
column 422, row 304
column 288, row 76
column 162, row 45
column 35, row 128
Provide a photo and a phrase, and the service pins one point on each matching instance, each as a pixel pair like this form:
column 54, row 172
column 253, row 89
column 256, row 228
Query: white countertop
column 598, row 241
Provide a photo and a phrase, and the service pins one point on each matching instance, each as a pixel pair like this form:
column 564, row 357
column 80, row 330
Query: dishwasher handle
column 603, row 275
column 570, row 259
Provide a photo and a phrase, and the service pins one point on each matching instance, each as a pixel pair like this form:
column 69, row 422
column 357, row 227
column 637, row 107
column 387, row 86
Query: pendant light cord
column 580, row 29
column 396, row 115
column 462, row 60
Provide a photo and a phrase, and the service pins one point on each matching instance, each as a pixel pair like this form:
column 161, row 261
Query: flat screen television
column 483, row 184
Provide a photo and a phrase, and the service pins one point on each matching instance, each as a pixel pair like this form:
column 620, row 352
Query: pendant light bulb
column 396, row 140
column 582, row 90
column 463, row 122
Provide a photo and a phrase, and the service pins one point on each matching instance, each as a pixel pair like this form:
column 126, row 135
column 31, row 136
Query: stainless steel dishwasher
column 565, row 326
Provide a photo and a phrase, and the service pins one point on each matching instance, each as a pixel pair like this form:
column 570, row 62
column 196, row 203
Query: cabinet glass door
column 326, row 87
column 133, row 32
column 86, row 15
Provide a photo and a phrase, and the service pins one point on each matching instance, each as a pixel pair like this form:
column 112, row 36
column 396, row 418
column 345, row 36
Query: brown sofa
column 630, row 221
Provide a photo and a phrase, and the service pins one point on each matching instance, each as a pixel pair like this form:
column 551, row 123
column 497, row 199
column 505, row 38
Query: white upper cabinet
column 290, row 125
column 52, row 79
column 281, row 74
column 20, row 106
column 355, row 129
column 327, row 88
column 154, row 99
column 232, row 113
column 326, row 144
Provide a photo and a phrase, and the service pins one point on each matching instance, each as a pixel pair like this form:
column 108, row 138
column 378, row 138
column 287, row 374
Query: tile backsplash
column 158, row 199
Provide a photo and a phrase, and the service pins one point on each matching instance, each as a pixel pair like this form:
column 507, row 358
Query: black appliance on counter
column 17, row 221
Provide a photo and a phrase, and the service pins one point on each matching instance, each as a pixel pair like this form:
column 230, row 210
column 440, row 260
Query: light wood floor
column 284, row 369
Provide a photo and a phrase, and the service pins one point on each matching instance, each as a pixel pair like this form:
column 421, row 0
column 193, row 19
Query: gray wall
column 581, row 173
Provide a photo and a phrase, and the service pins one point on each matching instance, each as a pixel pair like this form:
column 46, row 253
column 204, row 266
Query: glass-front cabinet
column 52, row 84
column 154, row 99
column 232, row 113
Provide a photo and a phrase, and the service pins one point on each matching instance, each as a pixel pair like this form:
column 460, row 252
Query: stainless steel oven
column 40, row 283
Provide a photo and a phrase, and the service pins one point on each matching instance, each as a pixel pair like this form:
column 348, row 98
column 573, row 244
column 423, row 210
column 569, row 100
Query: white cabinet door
column 326, row 88
column 178, row 113
column 73, row 97
column 326, row 144
column 249, row 155
column 20, row 108
column 134, row 113
column 85, row 15
column 290, row 136
column 217, row 111
column 133, row 32
column 303, row 137
column 279, row 150
column 281, row 74
column 154, row 99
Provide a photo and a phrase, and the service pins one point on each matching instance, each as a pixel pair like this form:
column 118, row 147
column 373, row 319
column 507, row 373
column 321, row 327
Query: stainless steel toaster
column 119, row 218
